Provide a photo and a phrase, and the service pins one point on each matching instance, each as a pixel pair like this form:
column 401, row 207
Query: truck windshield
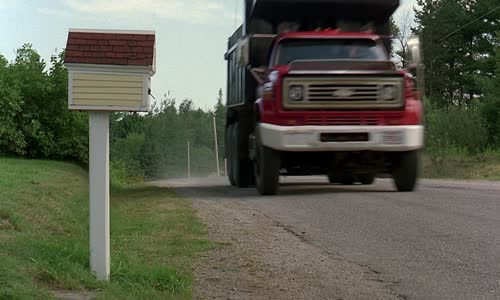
column 327, row 49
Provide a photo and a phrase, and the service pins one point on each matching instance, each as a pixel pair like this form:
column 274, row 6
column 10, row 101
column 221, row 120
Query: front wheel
column 266, row 169
column 405, row 170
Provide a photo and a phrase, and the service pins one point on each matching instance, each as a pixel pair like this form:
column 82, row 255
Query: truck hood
column 341, row 65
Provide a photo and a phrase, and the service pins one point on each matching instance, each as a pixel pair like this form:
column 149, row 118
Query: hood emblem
column 343, row 93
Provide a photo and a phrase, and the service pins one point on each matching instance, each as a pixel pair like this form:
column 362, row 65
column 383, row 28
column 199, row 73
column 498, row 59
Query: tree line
column 34, row 117
column 35, row 123
column 155, row 145
column 461, row 51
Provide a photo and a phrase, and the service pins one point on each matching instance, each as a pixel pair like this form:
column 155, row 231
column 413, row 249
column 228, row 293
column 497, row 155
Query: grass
column 44, row 236
column 458, row 165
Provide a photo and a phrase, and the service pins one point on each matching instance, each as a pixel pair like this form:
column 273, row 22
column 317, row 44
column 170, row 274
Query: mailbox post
column 107, row 71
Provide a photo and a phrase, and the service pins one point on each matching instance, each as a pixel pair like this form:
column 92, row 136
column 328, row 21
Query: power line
column 462, row 27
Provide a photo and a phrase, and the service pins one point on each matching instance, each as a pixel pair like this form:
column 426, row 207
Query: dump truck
column 312, row 90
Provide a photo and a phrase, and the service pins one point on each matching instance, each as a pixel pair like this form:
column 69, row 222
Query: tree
column 11, row 135
column 12, row 138
column 3, row 62
column 68, row 129
column 402, row 31
column 35, row 120
column 186, row 106
column 491, row 109
column 458, row 45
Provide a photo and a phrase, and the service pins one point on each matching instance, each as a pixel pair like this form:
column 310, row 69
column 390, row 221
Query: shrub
column 491, row 114
column 126, row 155
column 455, row 128
column 12, row 139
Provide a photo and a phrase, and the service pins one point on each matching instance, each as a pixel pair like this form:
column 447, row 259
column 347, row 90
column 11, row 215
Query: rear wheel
column 347, row 179
column 366, row 179
column 333, row 178
column 405, row 170
column 266, row 169
column 242, row 167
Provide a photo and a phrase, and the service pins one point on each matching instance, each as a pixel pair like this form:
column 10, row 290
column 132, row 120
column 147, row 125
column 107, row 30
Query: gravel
column 261, row 259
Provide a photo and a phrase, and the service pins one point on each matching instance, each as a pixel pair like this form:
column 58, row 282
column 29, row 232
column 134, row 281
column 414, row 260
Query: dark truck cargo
column 315, row 13
column 265, row 16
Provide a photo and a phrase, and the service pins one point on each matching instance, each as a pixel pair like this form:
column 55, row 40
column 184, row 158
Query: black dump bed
column 312, row 14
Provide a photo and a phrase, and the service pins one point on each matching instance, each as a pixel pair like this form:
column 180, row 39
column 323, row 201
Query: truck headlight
column 388, row 92
column 296, row 93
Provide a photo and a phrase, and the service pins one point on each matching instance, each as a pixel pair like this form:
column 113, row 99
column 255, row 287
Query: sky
column 191, row 35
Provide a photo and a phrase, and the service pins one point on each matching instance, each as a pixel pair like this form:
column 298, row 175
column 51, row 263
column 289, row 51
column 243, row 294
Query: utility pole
column 189, row 161
column 216, row 147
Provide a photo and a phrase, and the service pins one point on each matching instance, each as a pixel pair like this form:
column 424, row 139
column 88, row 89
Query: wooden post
column 99, row 193
column 189, row 161
column 216, row 148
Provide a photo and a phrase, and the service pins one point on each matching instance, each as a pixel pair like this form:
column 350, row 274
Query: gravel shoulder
column 318, row 241
column 261, row 259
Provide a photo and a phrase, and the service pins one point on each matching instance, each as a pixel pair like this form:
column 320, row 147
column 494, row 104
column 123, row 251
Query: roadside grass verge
column 459, row 165
column 44, row 236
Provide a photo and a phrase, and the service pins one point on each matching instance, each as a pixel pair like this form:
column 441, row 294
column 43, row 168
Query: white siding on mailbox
column 94, row 89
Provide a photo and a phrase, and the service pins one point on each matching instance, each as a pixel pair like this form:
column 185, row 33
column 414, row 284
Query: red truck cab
column 357, row 55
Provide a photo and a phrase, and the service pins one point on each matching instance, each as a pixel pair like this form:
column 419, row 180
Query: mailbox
column 110, row 70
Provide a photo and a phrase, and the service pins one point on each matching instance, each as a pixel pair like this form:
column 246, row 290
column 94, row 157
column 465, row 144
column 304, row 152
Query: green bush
column 126, row 155
column 491, row 114
column 35, row 119
column 455, row 129
column 12, row 139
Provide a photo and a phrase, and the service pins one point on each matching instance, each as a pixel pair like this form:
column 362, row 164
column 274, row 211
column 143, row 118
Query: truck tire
column 267, row 166
column 405, row 170
column 229, row 155
column 333, row 178
column 347, row 179
column 242, row 167
column 366, row 179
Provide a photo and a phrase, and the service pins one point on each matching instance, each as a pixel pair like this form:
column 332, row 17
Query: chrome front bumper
column 308, row 138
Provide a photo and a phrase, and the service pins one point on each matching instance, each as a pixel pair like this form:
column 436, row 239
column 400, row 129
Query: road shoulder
column 261, row 259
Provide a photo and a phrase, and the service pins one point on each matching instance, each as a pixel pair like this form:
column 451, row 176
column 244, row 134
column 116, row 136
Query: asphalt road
column 440, row 242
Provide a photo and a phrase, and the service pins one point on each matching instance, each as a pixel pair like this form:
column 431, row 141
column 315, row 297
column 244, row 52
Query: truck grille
column 343, row 93
column 333, row 92
column 343, row 121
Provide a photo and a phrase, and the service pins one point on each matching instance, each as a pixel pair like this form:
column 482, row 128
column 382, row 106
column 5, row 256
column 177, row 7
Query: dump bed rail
column 311, row 14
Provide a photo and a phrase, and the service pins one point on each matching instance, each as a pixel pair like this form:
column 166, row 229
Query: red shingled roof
column 110, row 48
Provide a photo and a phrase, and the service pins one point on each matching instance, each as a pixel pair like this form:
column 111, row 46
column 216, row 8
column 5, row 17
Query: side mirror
column 415, row 63
column 259, row 74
